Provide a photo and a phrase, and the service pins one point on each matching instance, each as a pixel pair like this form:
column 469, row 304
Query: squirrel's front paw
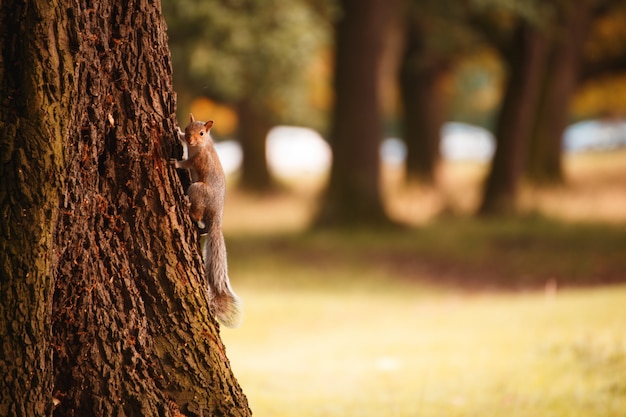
column 173, row 161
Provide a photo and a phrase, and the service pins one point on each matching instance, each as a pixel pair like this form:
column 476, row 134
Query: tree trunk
column 254, row 125
column 353, row 196
column 37, row 89
column 104, row 301
column 526, row 65
column 560, row 82
column 420, row 90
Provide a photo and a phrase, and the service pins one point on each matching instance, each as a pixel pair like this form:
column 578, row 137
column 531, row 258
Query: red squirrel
column 206, row 198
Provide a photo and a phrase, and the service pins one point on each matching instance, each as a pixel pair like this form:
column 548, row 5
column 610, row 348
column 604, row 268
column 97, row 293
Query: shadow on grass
column 471, row 254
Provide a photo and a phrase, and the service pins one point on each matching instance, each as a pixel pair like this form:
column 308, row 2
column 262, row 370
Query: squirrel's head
column 196, row 132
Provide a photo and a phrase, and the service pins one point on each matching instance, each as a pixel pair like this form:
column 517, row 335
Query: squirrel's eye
column 201, row 133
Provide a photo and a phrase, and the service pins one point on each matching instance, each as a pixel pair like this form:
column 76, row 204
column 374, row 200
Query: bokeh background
column 426, row 206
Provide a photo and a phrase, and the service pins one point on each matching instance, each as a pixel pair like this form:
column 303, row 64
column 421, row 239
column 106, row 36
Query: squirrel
column 206, row 197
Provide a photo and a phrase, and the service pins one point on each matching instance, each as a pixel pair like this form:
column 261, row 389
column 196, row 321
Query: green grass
column 455, row 317
column 410, row 352
column 385, row 324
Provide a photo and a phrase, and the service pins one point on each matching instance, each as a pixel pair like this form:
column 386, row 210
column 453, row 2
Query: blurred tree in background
column 435, row 38
column 252, row 55
column 542, row 45
column 569, row 28
column 512, row 32
column 260, row 58
column 353, row 195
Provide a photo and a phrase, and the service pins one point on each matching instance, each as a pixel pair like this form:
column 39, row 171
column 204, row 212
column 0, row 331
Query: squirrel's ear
column 208, row 124
column 191, row 119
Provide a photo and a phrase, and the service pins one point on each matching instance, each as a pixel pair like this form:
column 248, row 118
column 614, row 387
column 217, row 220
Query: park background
column 465, row 286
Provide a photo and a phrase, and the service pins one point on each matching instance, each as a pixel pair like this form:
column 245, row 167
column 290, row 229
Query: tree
column 421, row 74
column 353, row 195
column 103, row 302
column 564, row 73
column 252, row 55
column 255, row 122
column 436, row 35
column 544, row 62
column 525, row 57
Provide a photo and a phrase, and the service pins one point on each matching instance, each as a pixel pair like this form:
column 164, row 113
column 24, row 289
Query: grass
column 319, row 343
column 452, row 317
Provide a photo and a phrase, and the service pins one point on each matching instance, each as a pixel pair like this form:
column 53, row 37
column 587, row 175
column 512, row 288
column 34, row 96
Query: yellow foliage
column 604, row 97
column 225, row 117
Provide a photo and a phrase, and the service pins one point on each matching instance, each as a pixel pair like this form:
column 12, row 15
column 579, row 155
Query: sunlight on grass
column 406, row 351
column 450, row 318
column 595, row 190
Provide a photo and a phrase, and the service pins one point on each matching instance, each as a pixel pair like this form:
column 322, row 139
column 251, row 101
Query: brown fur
column 206, row 197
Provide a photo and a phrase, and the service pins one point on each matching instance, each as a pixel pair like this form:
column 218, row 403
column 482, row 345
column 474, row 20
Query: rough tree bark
column 353, row 195
column 36, row 87
column 103, row 305
column 526, row 64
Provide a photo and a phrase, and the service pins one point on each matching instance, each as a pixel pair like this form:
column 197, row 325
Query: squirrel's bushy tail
column 226, row 305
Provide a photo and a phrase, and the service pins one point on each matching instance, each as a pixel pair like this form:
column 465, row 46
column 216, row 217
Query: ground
column 448, row 317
